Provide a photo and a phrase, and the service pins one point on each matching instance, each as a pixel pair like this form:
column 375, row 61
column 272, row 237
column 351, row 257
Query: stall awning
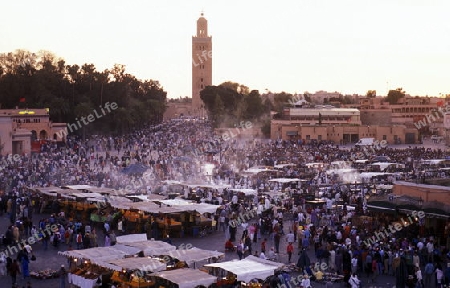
column 187, row 278
column 102, row 255
column 130, row 238
column 138, row 263
column 193, row 255
column 249, row 268
column 152, row 248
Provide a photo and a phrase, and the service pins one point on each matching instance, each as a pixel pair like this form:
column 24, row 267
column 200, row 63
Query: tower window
column 201, row 86
column 201, row 79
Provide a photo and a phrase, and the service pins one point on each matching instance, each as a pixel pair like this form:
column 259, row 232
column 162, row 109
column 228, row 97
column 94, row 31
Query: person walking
column 439, row 277
column 14, row 269
column 429, row 270
column 276, row 239
column 79, row 240
column 289, row 250
column 25, row 261
column 354, row 265
column 240, row 249
column 62, row 277
column 419, row 278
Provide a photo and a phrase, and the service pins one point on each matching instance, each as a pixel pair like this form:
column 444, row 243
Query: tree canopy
column 231, row 102
column 394, row 95
column 42, row 80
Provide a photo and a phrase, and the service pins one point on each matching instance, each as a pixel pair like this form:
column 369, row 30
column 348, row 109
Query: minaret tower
column 201, row 63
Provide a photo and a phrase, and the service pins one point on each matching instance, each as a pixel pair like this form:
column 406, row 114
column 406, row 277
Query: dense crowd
column 177, row 150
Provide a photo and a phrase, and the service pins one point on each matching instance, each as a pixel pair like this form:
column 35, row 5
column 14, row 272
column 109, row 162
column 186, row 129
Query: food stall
column 183, row 278
column 244, row 270
column 87, row 265
column 133, row 272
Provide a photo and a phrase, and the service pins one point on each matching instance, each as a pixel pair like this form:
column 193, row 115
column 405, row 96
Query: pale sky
column 349, row 46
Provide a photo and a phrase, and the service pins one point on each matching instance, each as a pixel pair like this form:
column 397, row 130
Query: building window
column 319, row 137
column 201, row 86
column 201, row 79
column 384, row 137
column 308, row 137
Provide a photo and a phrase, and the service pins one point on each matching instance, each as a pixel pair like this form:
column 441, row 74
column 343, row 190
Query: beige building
column 339, row 125
column 20, row 127
column 201, row 62
column 408, row 110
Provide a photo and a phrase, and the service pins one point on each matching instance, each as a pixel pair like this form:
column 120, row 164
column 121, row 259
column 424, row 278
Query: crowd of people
column 177, row 150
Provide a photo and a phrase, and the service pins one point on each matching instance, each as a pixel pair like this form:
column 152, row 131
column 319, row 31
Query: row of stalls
column 85, row 203
column 138, row 262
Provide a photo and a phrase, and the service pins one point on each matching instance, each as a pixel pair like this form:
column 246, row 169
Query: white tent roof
column 384, row 165
column 249, row 268
column 78, row 187
column 173, row 202
column 187, row 278
column 281, row 166
column 284, row 180
column 315, row 164
column 138, row 263
column 102, row 255
column 193, row 255
column 342, row 171
column 201, row 208
column 152, row 248
column 368, row 175
column 130, row 238
column 255, row 170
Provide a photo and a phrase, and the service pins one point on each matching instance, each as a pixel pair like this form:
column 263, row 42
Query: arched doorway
column 55, row 137
column 43, row 135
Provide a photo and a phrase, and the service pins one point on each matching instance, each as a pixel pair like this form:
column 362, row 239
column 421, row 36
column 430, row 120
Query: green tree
column 254, row 105
column 46, row 81
column 371, row 94
column 394, row 95
column 281, row 100
column 82, row 111
column 218, row 111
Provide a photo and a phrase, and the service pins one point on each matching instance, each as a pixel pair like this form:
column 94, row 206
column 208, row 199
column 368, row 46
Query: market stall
column 152, row 248
column 245, row 270
column 133, row 272
column 195, row 255
column 183, row 278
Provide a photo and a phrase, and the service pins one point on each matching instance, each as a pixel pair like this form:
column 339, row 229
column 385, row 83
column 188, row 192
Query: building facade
column 19, row 128
column 338, row 125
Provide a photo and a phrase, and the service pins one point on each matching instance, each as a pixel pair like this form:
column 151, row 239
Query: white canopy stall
column 249, row 268
column 153, row 248
column 194, row 255
column 101, row 255
column 138, row 263
column 186, row 278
